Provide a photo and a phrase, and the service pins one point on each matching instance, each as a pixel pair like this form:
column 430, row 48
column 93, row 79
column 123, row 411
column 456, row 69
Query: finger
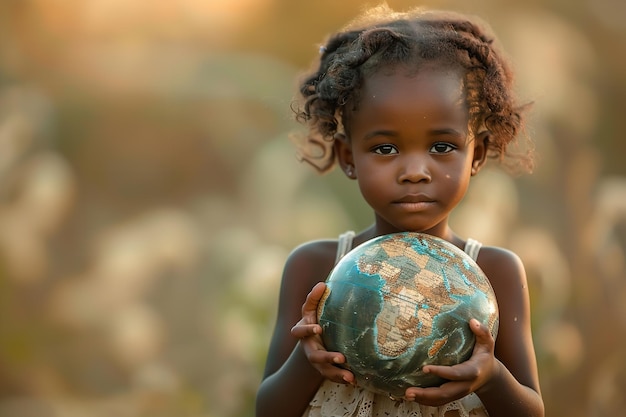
column 305, row 330
column 347, row 377
column 463, row 371
column 338, row 375
column 484, row 338
column 479, row 329
column 321, row 356
column 433, row 396
column 313, row 298
column 460, row 372
column 326, row 364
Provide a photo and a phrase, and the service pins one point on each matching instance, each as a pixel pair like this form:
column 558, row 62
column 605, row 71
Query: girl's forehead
column 428, row 86
column 405, row 101
column 425, row 74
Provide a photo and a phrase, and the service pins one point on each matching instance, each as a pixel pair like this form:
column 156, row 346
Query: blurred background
column 149, row 196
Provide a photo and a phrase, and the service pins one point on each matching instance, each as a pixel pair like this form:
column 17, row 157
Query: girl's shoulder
column 310, row 262
column 507, row 276
column 322, row 250
column 500, row 263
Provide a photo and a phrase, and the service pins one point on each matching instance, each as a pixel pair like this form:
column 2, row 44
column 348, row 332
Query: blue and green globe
column 401, row 301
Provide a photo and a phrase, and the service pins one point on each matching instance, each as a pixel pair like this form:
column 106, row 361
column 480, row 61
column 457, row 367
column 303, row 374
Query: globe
column 401, row 301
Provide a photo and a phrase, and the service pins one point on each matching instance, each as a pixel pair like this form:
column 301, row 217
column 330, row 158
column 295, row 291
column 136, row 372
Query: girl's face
column 410, row 149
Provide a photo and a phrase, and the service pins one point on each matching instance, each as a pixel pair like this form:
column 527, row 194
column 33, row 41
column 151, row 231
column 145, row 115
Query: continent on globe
column 402, row 301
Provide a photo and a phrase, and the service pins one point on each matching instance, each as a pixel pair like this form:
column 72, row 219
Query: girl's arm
column 505, row 379
column 290, row 381
column 514, row 389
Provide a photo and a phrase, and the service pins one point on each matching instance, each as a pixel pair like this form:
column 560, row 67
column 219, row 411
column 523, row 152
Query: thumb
column 318, row 291
column 313, row 298
column 482, row 333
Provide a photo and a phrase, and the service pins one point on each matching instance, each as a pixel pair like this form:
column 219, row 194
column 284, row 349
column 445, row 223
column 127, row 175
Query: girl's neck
column 442, row 231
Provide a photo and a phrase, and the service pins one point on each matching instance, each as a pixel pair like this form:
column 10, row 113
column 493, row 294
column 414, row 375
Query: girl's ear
column 343, row 150
column 481, row 145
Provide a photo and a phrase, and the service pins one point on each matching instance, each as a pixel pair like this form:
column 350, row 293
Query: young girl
column 410, row 105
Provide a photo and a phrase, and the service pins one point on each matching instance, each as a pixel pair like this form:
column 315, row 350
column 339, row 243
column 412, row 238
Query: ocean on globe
column 401, row 301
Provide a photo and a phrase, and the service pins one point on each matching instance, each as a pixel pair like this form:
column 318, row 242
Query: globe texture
column 402, row 301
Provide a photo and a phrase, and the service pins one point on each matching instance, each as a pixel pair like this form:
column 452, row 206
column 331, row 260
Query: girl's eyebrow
column 383, row 132
column 446, row 131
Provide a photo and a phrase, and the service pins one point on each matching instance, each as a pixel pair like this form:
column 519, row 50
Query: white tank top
column 472, row 247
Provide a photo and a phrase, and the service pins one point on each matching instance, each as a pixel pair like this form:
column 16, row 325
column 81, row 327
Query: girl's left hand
column 463, row 378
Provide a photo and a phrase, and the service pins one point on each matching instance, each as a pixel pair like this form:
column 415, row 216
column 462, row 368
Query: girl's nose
column 414, row 169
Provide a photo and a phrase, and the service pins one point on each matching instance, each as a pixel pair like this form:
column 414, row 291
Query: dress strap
column 472, row 247
column 344, row 244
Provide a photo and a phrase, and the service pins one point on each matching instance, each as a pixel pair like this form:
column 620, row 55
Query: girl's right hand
column 309, row 332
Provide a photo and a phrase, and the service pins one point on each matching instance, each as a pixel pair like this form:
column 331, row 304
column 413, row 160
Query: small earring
column 349, row 171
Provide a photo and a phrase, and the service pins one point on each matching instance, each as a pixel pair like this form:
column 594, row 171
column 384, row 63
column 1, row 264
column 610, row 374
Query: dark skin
column 410, row 151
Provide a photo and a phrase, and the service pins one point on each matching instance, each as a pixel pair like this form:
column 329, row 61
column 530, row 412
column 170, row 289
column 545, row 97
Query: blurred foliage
column 149, row 196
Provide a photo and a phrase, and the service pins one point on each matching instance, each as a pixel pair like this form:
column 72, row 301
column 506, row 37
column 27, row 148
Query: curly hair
column 382, row 38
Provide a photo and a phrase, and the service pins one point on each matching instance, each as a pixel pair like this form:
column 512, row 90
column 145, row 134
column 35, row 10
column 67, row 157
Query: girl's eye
column 385, row 150
column 442, row 147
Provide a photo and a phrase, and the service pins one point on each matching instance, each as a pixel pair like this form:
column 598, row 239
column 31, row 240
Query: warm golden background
column 149, row 196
